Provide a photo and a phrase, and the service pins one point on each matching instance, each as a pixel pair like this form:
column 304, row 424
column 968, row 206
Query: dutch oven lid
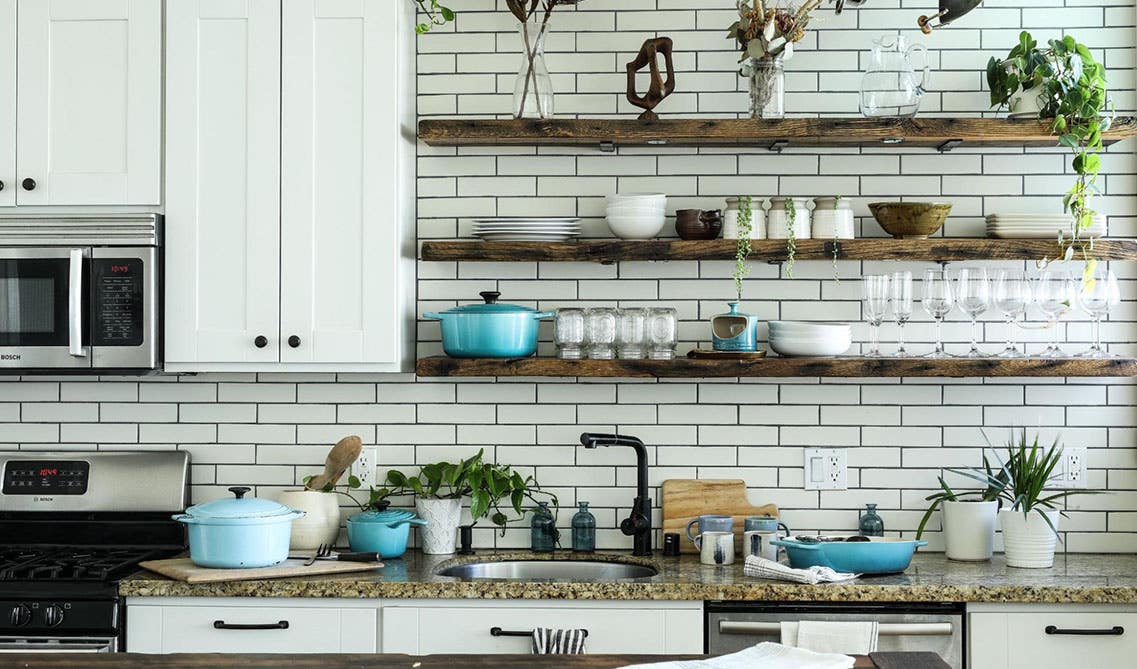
column 380, row 514
column 240, row 507
column 491, row 306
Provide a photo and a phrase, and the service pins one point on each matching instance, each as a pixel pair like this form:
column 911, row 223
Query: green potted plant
column 1065, row 84
column 968, row 518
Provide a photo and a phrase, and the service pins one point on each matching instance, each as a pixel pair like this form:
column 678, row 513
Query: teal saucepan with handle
column 879, row 555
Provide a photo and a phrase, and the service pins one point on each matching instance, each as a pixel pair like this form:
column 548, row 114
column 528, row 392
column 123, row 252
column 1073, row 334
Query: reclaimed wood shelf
column 939, row 133
column 845, row 367
column 770, row 250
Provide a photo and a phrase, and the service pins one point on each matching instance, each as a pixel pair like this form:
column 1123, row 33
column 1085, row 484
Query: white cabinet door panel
column 1019, row 639
column 340, row 233
column 223, row 181
column 7, row 103
column 89, row 101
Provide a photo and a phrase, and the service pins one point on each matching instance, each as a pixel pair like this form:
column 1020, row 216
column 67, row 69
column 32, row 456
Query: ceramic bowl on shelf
column 799, row 338
column 910, row 220
column 637, row 227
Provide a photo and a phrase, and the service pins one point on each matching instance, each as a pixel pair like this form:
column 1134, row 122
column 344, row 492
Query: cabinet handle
column 294, row 341
column 29, row 184
column 222, row 625
column 1116, row 630
column 1, row 185
column 261, row 341
column 497, row 631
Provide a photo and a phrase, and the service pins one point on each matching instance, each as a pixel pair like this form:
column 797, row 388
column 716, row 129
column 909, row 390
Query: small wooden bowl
column 910, row 220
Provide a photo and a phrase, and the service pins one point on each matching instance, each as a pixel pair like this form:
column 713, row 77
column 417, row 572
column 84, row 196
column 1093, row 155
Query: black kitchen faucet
column 638, row 524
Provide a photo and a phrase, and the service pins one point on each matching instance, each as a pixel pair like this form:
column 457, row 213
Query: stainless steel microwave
column 80, row 293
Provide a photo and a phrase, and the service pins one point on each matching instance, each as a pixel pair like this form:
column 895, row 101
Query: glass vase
column 533, row 90
column 767, row 88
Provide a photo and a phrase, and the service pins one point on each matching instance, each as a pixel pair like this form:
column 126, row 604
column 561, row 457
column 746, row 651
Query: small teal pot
column 381, row 531
column 735, row 331
column 490, row 330
column 879, row 556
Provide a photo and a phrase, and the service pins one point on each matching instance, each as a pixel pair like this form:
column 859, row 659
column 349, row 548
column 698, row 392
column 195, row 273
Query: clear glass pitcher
column 890, row 87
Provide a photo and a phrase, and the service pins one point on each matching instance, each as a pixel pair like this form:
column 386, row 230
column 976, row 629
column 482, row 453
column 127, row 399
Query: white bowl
column 810, row 329
column 638, row 200
column 636, row 227
column 635, row 210
column 790, row 346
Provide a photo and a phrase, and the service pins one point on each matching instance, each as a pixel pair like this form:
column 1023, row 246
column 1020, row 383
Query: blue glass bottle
column 584, row 530
column 871, row 524
column 543, row 529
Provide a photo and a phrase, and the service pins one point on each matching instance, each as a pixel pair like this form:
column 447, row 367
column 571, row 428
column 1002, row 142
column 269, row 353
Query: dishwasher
column 934, row 627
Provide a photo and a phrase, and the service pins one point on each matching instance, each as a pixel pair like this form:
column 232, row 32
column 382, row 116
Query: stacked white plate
column 1039, row 226
column 526, row 229
column 637, row 215
column 799, row 338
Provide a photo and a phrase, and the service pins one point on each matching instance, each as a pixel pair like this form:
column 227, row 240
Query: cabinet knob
column 1, row 185
column 29, row 184
column 294, row 341
column 261, row 341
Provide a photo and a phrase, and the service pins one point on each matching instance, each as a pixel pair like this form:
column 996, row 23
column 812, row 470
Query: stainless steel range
column 71, row 525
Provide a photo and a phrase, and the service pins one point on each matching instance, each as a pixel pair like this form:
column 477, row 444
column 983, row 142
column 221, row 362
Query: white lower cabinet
column 1019, row 636
column 632, row 627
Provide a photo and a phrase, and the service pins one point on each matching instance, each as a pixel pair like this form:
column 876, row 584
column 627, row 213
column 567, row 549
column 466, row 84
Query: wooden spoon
column 342, row 455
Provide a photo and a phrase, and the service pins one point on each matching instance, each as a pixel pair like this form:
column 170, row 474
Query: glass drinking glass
column 600, row 333
column 1097, row 296
column 875, row 298
column 631, row 333
column 938, row 302
column 973, row 293
column 662, row 333
column 1011, row 298
column 901, row 307
column 1055, row 293
column 568, row 333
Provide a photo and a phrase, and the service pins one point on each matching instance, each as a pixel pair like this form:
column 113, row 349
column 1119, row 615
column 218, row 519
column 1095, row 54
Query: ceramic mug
column 765, row 524
column 759, row 544
column 709, row 523
column 717, row 548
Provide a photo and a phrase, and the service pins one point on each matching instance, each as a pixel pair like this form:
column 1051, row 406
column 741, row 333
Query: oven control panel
column 46, row 477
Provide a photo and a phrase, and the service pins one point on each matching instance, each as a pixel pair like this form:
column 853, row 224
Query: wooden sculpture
column 658, row 90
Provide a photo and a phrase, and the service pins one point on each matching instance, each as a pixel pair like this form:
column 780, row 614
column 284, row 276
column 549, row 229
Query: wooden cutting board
column 182, row 569
column 687, row 499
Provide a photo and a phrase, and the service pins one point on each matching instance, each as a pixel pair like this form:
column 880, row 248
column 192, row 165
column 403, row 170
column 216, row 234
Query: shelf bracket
column 949, row 145
column 833, row 248
column 607, row 146
column 779, row 144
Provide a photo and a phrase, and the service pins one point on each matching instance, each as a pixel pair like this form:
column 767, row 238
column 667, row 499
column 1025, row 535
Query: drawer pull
column 1116, row 630
column 886, row 629
column 497, row 631
column 222, row 625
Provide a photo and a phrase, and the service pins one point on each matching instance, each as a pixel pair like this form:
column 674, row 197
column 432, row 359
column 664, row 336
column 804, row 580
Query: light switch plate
column 365, row 466
column 826, row 469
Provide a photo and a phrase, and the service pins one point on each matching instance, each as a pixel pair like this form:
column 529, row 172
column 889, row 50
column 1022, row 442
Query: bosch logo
column 10, row 356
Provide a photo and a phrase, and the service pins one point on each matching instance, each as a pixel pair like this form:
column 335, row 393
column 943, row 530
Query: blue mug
column 709, row 523
column 765, row 524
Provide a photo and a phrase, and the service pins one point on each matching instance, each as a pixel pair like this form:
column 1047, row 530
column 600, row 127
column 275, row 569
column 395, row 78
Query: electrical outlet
column 1073, row 467
column 826, row 469
column 365, row 466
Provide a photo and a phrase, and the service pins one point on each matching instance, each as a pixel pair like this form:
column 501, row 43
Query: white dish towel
column 832, row 636
column 759, row 567
column 765, row 655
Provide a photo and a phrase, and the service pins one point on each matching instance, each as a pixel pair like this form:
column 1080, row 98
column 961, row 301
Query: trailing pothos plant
column 1071, row 89
column 436, row 13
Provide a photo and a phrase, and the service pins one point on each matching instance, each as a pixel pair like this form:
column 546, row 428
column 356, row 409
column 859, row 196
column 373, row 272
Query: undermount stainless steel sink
column 550, row 570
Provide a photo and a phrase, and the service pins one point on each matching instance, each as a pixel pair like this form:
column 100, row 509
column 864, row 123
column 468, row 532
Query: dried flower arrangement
column 769, row 30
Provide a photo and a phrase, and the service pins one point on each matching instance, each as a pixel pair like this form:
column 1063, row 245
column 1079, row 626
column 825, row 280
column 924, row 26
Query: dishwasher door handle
column 886, row 629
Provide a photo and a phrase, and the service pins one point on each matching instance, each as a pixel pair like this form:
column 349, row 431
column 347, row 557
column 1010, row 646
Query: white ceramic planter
column 441, row 531
column 321, row 521
column 969, row 530
column 1028, row 542
column 1026, row 104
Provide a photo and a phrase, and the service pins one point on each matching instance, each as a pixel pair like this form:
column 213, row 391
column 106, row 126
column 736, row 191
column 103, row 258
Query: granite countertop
column 1075, row 578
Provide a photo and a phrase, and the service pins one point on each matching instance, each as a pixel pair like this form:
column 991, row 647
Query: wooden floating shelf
column 845, row 367
column 940, row 133
column 609, row 251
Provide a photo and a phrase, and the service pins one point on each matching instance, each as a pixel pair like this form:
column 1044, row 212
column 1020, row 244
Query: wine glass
column 1098, row 295
column 973, row 292
column 1055, row 293
column 875, row 298
column 938, row 302
column 901, row 307
column 1012, row 295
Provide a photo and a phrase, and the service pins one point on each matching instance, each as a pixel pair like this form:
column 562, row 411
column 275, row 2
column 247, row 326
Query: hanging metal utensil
column 950, row 10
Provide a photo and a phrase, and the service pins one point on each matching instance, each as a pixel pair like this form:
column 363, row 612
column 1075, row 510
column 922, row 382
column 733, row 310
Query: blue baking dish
column 879, row 555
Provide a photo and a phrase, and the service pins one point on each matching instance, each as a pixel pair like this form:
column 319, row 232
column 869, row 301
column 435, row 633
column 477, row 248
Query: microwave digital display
column 50, row 477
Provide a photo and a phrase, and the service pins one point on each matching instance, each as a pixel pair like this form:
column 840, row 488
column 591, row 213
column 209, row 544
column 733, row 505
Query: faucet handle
column 633, row 524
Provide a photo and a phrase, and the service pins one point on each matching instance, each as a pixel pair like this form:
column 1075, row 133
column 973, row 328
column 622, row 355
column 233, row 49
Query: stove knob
column 20, row 615
column 53, row 615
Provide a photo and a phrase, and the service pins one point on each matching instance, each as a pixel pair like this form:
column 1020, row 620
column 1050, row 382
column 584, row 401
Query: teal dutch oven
column 879, row 555
column 239, row 532
column 381, row 531
column 490, row 330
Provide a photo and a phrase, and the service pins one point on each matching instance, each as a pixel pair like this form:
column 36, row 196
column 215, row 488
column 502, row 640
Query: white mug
column 716, row 548
column 758, row 544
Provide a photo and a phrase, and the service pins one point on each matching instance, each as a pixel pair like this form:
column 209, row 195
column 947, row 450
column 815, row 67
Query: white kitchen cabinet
column 1051, row 636
column 89, row 99
column 7, row 103
column 462, row 626
column 209, row 625
column 290, row 206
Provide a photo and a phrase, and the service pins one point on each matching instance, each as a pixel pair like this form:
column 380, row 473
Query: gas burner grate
column 56, row 563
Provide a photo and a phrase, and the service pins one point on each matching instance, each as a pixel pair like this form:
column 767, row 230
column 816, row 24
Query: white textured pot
column 969, row 530
column 1028, row 542
column 321, row 521
column 1026, row 104
column 441, row 530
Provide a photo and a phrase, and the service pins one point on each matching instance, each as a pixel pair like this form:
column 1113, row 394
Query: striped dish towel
column 762, row 568
column 558, row 642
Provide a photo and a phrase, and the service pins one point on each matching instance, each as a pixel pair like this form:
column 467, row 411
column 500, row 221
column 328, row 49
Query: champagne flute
column 973, row 292
column 1055, row 293
column 901, row 307
column 938, row 302
column 1012, row 295
column 875, row 299
column 1098, row 295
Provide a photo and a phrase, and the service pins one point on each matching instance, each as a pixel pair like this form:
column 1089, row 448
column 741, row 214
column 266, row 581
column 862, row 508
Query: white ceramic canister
column 832, row 218
column 321, row 521
column 969, row 530
column 777, row 219
column 441, row 531
column 730, row 226
column 1029, row 542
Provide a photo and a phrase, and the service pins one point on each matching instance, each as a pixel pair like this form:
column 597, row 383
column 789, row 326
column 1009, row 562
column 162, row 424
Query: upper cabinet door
column 7, row 103
column 222, row 183
column 343, row 203
column 89, row 102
